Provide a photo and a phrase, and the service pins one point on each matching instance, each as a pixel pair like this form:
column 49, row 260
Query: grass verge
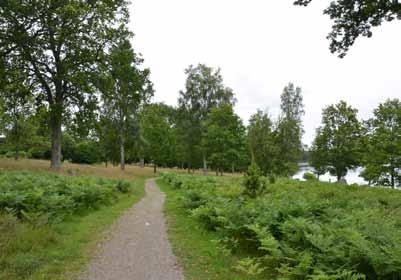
column 197, row 249
column 61, row 251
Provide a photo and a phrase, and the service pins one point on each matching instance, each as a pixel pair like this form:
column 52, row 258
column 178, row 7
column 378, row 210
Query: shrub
column 86, row 152
column 300, row 230
column 309, row 176
column 123, row 186
column 253, row 181
column 39, row 152
column 47, row 197
column 21, row 154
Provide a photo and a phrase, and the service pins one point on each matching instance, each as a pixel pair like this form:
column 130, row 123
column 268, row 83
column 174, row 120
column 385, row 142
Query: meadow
column 291, row 230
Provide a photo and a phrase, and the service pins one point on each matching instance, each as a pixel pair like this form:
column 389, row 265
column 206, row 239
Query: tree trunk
column 204, row 164
column 392, row 179
column 16, row 156
column 122, row 153
column 221, row 172
column 217, row 172
column 154, row 168
column 56, row 120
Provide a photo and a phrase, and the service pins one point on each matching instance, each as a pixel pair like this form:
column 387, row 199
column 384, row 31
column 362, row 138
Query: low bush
column 21, row 154
column 39, row 152
column 309, row 176
column 39, row 197
column 300, row 230
column 254, row 183
column 86, row 152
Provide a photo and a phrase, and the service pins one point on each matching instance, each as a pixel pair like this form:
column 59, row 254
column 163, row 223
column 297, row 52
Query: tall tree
column 261, row 141
column 223, row 138
column 382, row 152
column 17, row 107
column 289, row 131
column 204, row 90
column 338, row 139
column 125, row 87
column 157, row 130
column 59, row 45
column 354, row 18
column 318, row 154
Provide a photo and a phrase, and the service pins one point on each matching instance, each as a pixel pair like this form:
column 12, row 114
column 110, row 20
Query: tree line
column 121, row 124
column 344, row 142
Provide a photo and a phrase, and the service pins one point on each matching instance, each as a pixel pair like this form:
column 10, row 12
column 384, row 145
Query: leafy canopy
column 354, row 18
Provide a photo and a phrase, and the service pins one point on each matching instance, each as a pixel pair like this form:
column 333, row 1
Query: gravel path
column 138, row 248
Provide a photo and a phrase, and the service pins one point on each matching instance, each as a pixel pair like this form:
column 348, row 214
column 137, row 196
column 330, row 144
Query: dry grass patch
column 112, row 172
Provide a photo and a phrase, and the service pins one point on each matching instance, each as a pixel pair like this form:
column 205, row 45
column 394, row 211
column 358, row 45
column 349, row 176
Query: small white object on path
column 138, row 247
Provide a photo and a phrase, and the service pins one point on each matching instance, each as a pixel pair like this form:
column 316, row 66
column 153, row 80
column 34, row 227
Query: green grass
column 60, row 251
column 196, row 248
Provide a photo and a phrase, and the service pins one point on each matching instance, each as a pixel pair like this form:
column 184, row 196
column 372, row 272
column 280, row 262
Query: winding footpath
column 138, row 247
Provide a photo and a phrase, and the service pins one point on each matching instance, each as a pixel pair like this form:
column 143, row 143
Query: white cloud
column 262, row 45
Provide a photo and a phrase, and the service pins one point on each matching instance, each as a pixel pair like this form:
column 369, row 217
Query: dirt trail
column 138, row 248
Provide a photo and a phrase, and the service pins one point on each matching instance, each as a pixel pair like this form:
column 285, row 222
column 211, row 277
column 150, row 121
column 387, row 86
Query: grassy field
column 112, row 172
column 197, row 249
column 58, row 251
column 98, row 170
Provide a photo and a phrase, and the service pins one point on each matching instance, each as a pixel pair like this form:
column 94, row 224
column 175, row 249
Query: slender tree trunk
column 122, row 153
column 217, row 172
column 154, row 168
column 16, row 156
column 56, row 120
column 204, row 163
column 16, row 128
column 221, row 171
column 392, row 179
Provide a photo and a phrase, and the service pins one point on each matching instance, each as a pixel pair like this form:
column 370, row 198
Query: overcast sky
column 260, row 46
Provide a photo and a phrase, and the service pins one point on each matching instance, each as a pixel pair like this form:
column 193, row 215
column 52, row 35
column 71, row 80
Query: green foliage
column 288, row 136
column 337, row 143
column 86, row 152
column 354, row 18
column 301, row 230
column 39, row 152
column 253, row 181
column 123, row 186
column 125, row 87
column 224, row 138
column 158, row 133
column 59, row 56
column 309, row 176
column 261, row 141
column 42, row 197
column 277, row 147
column 204, row 90
column 382, row 145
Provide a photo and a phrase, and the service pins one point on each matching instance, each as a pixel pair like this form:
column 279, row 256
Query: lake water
column 351, row 178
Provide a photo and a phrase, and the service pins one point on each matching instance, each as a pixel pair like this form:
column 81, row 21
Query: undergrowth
column 300, row 230
column 47, row 221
